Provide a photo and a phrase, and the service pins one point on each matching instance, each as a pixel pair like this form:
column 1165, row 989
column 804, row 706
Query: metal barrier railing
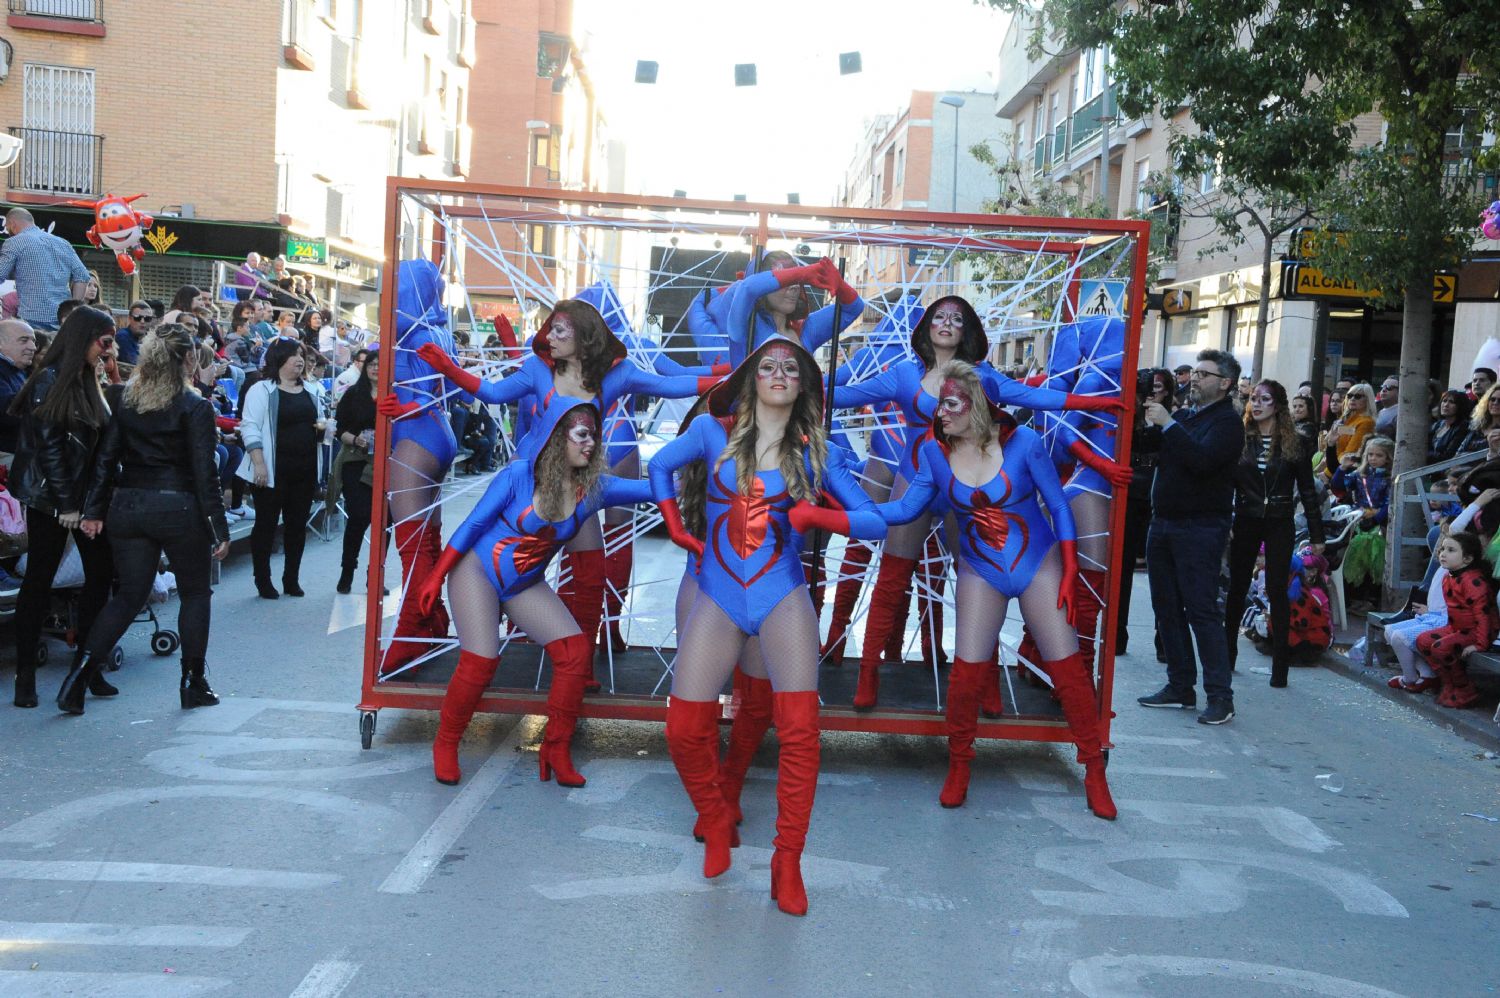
column 1408, row 527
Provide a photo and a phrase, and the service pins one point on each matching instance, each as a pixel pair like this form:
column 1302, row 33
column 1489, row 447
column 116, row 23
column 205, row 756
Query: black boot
column 264, row 588
column 98, row 685
column 194, row 690
column 25, row 687
column 290, row 586
column 76, row 685
column 346, row 579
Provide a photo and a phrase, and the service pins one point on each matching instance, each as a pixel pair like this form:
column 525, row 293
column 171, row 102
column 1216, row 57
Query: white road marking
column 232, row 713
column 1045, row 941
column 414, row 869
column 365, row 828
column 44, row 984
column 99, row 934
column 1197, row 746
column 349, row 610
column 817, row 873
column 1215, row 821
column 160, row 873
column 1123, row 976
column 1208, row 880
column 327, row 979
column 610, row 780
column 195, row 758
column 1171, row 772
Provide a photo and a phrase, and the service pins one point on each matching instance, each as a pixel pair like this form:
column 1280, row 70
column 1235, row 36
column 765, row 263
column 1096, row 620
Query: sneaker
column 231, row 517
column 1166, row 698
column 1218, row 712
column 243, row 512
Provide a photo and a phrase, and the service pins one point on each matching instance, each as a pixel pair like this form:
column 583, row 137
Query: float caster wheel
column 116, row 659
column 42, row 653
column 366, row 728
column 164, row 642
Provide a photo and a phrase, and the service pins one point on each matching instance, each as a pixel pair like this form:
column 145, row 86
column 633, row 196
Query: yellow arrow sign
column 1310, row 282
column 1444, row 288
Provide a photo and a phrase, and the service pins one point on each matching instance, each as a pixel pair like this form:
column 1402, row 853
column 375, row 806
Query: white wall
column 1473, row 323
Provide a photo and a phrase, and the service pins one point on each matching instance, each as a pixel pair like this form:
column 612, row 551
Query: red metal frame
column 418, row 696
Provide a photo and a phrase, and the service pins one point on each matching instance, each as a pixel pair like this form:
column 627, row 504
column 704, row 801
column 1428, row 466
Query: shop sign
column 306, row 250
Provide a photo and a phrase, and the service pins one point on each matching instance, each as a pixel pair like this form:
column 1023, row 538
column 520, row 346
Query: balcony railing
column 1086, row 123
column 1040, row 157
column 1059, row 142
column 55, row 162
column 72, row 10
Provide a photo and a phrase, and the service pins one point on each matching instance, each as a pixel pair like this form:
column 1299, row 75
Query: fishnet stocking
column 711, row 644
column 477, row 608
column 981, row 613
column 413, row 477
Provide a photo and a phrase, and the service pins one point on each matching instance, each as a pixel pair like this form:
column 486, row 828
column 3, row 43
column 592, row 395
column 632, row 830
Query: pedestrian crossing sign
column 1105, row 298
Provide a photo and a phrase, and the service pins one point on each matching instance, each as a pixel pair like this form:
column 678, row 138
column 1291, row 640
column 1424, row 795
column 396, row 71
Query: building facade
column 1063, row 127
column 283, row 127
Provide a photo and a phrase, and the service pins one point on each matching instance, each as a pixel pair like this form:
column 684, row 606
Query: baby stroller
column 62, row 620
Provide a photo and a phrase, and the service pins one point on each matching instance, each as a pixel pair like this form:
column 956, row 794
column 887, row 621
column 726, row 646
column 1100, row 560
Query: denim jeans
column 1182, row 561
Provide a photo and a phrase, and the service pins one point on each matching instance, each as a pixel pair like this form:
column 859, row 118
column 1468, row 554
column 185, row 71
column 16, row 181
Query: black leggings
column 46, row 539
column 290, row 500
column 1278, row 535
column 357, row 499
column 144, row 523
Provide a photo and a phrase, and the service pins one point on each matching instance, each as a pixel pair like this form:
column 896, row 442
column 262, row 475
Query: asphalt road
column 1316, row 845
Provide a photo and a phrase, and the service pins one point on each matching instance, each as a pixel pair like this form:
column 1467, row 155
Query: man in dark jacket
column 1192, row 501
column 17, row 348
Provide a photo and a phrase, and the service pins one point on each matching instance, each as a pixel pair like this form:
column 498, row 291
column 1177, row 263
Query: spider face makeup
column 954, row 406
column 778, row 376
column 582, row 437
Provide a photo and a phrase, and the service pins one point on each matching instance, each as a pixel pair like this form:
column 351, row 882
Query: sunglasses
column 106, row 341
column 140, row 318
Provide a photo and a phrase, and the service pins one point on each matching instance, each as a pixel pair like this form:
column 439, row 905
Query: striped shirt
column 43, row 266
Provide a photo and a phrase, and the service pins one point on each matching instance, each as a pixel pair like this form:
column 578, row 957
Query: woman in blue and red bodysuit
column 422, row 449
column 949, row 329
column 574, row 354
column 497, row 559
column 989, row 471
column 768, row 460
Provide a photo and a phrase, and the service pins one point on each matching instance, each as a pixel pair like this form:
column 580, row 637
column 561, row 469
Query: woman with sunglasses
column 1348, row 432
column 63, row 414
column 1274, row 474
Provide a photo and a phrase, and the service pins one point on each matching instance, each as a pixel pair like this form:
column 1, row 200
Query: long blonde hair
column 804, row 436
column 555, row 480
column 159, row 377
column 980, row 421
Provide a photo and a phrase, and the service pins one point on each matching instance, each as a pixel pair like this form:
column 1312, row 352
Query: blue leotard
column 1002, row 534
column 746, row 292
column 421, row 318
column 514, row 544
column 901, row 383
column 1086, row 359
column 752, row 556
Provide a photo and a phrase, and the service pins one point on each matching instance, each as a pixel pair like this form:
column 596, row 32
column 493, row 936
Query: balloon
column 118, row 227
column 1489, row 221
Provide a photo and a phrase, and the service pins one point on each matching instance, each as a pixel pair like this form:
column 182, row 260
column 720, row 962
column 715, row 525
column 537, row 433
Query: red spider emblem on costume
column 748, row 522
column 988, row 524
column 527, row 551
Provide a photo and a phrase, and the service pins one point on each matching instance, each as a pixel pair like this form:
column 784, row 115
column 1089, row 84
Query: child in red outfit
column 1309, row 634
column 1473, row 621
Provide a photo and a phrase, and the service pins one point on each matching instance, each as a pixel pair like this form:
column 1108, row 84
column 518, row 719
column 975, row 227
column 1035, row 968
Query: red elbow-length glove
column 805, row 517
column 1114, row 472
column 831, row 280
column 1094, row 403
column 432, row 584
column 707, row 381
column 722, row 370
column 392, row 407
column 437, row 359
column 1067, row 589
column 672, row 517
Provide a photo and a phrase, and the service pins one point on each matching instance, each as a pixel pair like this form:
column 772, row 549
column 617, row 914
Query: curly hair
column 804, row 435
column 692, row 480
column 158, row 377
column 980, row 421
column 1285, row 440
column 555, row 479
column 593, row 339
column 972, row 348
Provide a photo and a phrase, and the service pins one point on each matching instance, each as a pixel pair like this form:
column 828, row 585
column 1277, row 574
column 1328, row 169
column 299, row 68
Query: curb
column 1473, row 725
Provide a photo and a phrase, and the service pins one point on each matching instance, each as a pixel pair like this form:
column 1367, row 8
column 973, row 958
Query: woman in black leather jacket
column 156, row 484
column 63, row 414
column 1274, row 473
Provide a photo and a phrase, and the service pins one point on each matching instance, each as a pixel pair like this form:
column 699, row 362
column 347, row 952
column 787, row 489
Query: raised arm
column 636, row 381
column 510, row 388
column 1008, row 391
column 883, row 387
column 919, row 495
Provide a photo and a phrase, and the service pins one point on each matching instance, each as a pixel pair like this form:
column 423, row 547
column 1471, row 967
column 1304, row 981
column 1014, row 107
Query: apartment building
column 1063, row 124
column 280, row 121
column 537, row 123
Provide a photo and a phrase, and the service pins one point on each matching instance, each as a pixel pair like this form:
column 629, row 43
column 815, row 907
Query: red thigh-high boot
column 845, row 597
column 991, row 704
column 891, row 584
column 693, row 741
column 895, row 642
column 584, row 597
column 1076, row 694
column 435, row 623
column 796, row 785
column 469, row 680
column 930, row 605
column 617, row 566
column 1089, row 590
column 411, row 622
column 1028, row 651
column 572, row 664
column 751, row 721
column 964, row 681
